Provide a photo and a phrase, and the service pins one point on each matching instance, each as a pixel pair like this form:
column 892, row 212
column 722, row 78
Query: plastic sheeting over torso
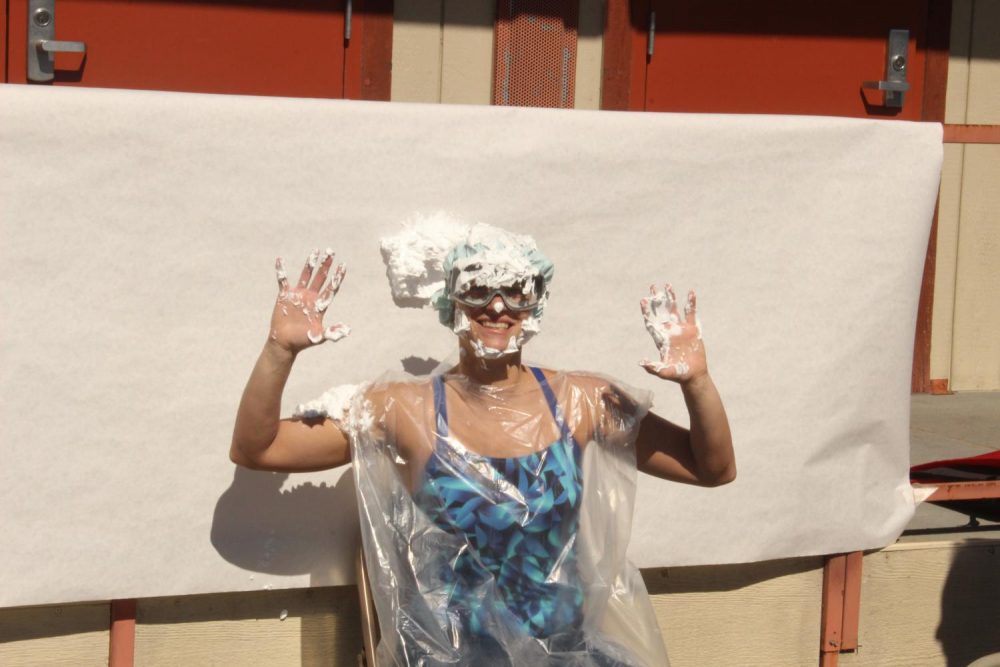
column 495, row 521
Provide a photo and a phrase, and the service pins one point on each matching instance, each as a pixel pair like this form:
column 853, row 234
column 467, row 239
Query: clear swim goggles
column 522, row 295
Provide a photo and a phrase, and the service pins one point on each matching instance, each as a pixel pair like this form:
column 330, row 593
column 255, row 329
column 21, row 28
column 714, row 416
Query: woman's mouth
column 497, row 326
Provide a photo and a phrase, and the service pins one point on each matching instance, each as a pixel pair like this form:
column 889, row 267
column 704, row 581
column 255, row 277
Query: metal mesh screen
column 535, row 62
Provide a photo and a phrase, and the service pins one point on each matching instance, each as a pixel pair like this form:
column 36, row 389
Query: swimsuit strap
column 554, row 407
column 440, row 409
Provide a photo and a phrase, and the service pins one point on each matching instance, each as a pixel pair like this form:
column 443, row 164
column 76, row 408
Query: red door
column 782, row 56
column 297, row 48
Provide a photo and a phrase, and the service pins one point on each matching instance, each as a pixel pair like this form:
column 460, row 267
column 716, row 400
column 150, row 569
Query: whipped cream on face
column 463, row 327
column 502, row 262
column 484, row 351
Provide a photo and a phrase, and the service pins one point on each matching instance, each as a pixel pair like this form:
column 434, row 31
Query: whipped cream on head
column 436, row 256
column 414, row 257
column 500, row 259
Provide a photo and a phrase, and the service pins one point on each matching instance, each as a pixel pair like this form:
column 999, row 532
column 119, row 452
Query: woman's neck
column 505, row 371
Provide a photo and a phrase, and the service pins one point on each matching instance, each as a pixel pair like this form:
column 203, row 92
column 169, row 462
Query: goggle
column 522, row 295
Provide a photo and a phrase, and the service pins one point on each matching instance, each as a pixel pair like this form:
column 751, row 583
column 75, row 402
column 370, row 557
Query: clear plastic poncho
column 495, row 521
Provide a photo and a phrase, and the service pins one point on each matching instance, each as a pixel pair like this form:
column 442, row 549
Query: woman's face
column 494, row 325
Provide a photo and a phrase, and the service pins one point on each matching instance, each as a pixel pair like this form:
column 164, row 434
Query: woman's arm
column 261, row 439
column 704, row 454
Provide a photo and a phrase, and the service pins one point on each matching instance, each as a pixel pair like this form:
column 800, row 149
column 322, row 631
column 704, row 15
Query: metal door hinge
column 895, row 84
column 651, row 36
column 42, row 44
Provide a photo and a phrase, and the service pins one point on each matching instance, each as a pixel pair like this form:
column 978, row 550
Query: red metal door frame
column 368, row 57
column 4, row 25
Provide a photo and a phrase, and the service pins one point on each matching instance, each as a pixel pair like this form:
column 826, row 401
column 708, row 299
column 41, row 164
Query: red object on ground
column 982, row 468
column 972, row 468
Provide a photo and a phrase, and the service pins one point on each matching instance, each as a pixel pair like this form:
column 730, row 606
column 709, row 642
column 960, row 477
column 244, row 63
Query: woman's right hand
column 297, row 320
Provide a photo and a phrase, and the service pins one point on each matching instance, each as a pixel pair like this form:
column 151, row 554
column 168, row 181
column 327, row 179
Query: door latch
column 895, row 84
column 42, row 44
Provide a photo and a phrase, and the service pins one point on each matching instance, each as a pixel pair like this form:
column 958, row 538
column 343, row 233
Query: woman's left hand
column 682, row 353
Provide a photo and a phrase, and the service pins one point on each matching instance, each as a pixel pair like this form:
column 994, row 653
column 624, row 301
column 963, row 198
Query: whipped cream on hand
column 682, row 352
column 297, row 319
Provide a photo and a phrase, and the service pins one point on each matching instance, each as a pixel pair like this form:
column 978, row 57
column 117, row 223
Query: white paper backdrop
column 138, row 237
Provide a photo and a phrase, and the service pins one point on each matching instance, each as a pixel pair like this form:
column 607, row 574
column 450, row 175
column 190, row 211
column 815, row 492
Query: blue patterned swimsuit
column 519, row 516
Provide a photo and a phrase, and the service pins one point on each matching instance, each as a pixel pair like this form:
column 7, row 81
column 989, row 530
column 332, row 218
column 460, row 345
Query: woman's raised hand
column 682, row 354
column 297, row 320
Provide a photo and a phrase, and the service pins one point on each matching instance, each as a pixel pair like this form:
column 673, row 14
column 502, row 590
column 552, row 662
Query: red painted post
column 121, row 652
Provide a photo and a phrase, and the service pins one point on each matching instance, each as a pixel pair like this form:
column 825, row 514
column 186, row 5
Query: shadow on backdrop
column 970, row 605
column 307, row 529
column 419, row 366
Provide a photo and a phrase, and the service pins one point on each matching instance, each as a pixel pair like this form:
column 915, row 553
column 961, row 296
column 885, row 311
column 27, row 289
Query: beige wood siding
column 73, row 635
column 758, row 614
column 442, row 51
column 965, row 334
column 929, row 604
column 589, row 52
column 416, row 51
column 318, row 626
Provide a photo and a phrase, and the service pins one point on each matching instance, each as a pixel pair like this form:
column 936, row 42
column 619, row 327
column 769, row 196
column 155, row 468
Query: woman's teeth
column 495, row 325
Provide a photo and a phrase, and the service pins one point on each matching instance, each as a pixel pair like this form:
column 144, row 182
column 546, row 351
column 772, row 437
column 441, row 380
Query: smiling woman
column 494, row 280
column 495, row 497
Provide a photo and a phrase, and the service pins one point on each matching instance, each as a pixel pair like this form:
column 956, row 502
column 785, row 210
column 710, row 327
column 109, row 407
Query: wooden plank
column 832, row 609
column 963, row 490
column 316, row 626
column 417, row 40
column 935, row 605
column 70, row 635
column 933, row 108
column 616, row 69
column 971, row 134
column 920, row 374
column 589, row 54
column 369, row 620
column 368, row 54
column 467, row 51
column 764, row 614
column 852, row 601
column 376, row 61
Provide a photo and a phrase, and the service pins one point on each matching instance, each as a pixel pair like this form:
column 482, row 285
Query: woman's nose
column 497, row 305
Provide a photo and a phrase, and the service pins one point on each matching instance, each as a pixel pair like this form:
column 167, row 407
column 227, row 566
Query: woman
column 495, row 497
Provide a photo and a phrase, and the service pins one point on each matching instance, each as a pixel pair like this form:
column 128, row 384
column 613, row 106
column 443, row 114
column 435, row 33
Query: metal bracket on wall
column 895, row 84
column 348, row 19
column 42, row 44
